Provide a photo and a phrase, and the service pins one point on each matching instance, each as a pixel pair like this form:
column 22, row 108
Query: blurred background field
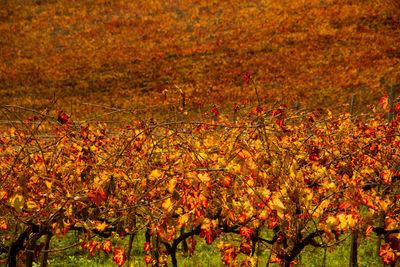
column 140, row 54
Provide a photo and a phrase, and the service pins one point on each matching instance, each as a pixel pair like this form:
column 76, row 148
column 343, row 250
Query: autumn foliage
column 303, row 180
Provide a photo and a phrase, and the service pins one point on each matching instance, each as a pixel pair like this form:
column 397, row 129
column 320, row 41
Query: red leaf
column 147, row 247
column 245, row 249
column 62, row 117
column 246, row 232
column 344, row 206
column 119, row 256
column 97, row 197
column 247, row 77
column 215, row 111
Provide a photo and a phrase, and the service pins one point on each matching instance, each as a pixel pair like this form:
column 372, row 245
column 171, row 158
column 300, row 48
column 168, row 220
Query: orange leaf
column 246, row 232
column 384, row 102
column 369, row 230
column 101, row 226
column 148, row 259
column 171, row 185
column 97, row 197
column 107, row 246
column 3, row 225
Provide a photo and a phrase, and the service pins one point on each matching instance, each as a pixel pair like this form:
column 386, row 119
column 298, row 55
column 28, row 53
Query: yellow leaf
column 331, row 186
column 263, row 215
column 266, row 193
column 2, row 194
column 342, row 221
column 385, row 205
column 206, row 224
column 167, row 204
column 309, row 195
column 101, row 226
column 292, row 172
column 31, row 205
column 70, row 211
column 171, row 185
column 48, row 184
column 204, row 177
column 352, row 221
column 233, row 167
column 92, row 138
column 331, row 221
column 178, row 211
column 278, row 206
column 17, row 202
column 12, row 132
column 236, row 204
column 320, row 209
column 202, row 155
column 220, row 245
column 280, row 213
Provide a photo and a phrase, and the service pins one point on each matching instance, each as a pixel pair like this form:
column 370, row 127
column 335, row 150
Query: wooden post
column 131, row 237
column 45, row 255
column 185, row 247
column 391, row 102
column 353, row 262
column 353, row 99
column 269, row 258
column 381, row 223
column 129, row 252
column 324, row 260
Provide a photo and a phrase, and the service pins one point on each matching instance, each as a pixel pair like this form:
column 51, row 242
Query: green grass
column 340, row 256
column 208, row 255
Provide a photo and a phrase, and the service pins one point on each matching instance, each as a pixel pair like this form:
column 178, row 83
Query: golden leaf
column 183, row 220
column 167, row 204
column 155, row 174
